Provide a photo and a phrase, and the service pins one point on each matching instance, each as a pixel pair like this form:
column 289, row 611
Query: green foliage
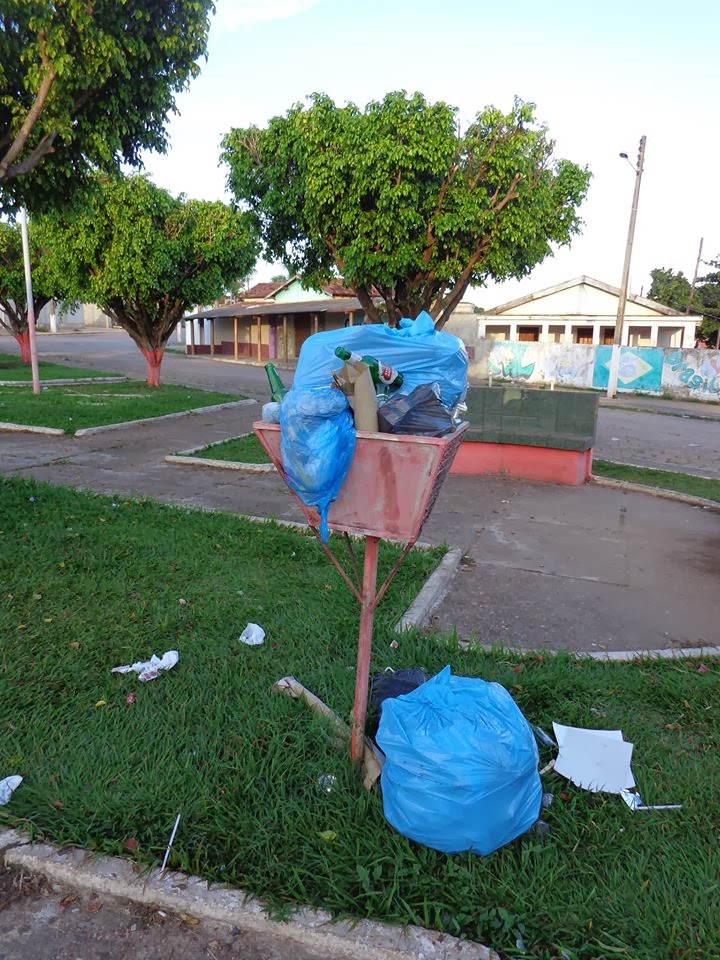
column 400, row 203
column 670, row 289
column 44, row 243
column 708, row 302
column 673, row 290
column 146, row 257
column 88, row 85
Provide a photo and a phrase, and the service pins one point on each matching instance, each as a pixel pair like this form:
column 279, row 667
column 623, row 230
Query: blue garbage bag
column 317, row 442
column 416, row 349
column 461, row 770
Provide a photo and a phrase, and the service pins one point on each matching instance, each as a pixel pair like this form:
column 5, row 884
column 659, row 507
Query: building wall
column 638, row 331
column 299, row 327
column 690, row 373
column 294, row 293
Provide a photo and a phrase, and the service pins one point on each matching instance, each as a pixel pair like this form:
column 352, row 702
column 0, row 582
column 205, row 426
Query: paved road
column 624, row 433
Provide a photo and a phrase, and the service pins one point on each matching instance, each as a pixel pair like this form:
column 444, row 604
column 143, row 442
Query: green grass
column 11, row 368
column 88, row 583
column 94, row 405
column 662, row 479
column 246, row 449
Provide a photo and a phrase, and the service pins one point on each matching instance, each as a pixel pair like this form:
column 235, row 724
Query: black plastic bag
column 393, row 683
column 421, row 413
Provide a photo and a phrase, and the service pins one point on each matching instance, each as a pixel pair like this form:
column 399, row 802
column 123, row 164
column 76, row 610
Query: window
column 583, row 334
column 529, row 334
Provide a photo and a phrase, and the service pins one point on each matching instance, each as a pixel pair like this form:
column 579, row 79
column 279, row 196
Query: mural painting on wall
column 640, row 368
column 507, row 362
column 699, row 372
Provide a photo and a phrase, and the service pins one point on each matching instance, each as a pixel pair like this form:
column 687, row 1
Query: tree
column 146, row 257
column 42, row 242
column 673, row 290
column 707, row 302
column 670, row 289
column 399, row 203
column 87, row 84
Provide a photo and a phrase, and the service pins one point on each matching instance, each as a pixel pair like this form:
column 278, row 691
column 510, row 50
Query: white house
column 584, row 311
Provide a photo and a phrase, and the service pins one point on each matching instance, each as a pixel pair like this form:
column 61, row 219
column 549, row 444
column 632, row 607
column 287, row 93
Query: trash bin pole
column 362, row 673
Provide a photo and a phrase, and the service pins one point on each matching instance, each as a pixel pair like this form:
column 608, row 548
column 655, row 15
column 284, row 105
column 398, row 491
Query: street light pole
column 30, row 304
column 617, row 339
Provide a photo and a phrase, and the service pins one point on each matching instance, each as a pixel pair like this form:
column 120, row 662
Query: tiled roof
column 336, row 288
column 262, row 291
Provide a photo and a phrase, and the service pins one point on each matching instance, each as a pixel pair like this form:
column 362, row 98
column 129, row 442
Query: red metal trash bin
column 389, row 492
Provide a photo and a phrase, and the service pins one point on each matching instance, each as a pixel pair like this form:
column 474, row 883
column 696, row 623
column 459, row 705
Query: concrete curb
column 88, row 431
column 656, row 492
column 24, row 428
column 615, row 656
column 432, row 592
column 220, row 464
column 312, row 929
column 63, row 383
column 186, row 457
column 664, row 653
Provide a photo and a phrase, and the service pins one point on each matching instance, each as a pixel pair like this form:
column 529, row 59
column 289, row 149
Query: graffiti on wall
column 508, row 362
column 639, row 369
column 697, row 370
column 677, row 372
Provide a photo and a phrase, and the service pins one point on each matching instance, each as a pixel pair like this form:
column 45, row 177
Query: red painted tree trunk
column 154, row 359
column 23, row 340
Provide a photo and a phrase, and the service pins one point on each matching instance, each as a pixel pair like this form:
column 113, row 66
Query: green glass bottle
column 382, row 374
column 277, row 387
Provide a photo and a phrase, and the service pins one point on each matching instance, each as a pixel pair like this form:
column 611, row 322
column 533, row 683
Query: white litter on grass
column 595, row 760
column 599, row 761
column 253, row 635
column 7, row 788
column 150, row 669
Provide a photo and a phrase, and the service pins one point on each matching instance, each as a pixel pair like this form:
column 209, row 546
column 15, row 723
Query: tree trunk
column 23, row 340
column 154, row 359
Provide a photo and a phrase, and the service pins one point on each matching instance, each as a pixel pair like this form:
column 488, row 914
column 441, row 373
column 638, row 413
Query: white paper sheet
column 595, row 760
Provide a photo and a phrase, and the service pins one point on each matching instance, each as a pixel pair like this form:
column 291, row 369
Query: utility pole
column 30, row 304
column 694, row 279
column 617, row 339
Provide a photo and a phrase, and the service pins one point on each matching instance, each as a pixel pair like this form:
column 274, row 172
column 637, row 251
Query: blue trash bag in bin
column 461, row 769
column 317, row 442
column 416, row 349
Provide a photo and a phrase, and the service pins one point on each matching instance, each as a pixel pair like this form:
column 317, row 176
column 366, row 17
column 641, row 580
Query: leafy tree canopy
column 146, row 257
column 673, row 290
column 707, row 302
column 88, row 83
column 45, row 244
column 669, row 288
column 400, row 203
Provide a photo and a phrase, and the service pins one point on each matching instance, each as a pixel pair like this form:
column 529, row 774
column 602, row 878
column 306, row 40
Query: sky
column 602, row 74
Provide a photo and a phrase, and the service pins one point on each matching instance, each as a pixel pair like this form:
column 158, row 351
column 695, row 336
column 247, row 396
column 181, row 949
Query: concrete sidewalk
column 585, row 568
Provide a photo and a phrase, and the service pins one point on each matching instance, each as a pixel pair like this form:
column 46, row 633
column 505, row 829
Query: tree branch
column 429, row 238
column 31, row 119
column 446, row 306
column 45, row 146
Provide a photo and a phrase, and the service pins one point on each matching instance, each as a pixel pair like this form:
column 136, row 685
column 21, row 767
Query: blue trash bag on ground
column 317, row 442
column 415, row 349
column 461, row 769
